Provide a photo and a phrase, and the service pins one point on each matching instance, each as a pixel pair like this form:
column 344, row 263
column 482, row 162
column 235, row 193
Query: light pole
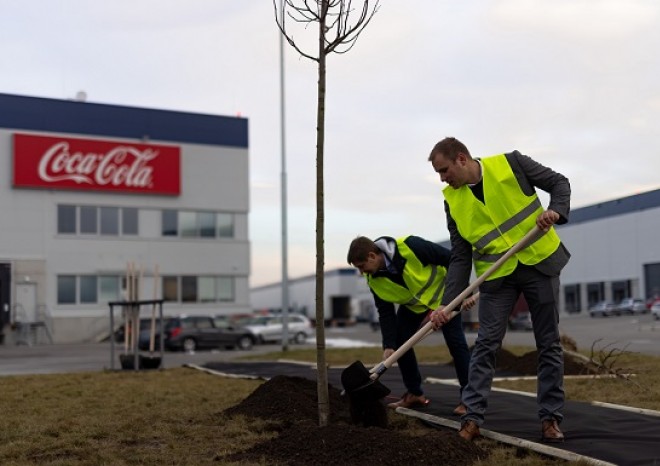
column 285, row 265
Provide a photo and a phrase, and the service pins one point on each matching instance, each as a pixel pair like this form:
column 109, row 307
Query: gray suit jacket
column 530, row 175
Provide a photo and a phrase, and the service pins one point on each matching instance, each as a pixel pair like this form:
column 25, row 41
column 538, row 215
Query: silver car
column 603, row 309
column 269, row 328
column 632, row 306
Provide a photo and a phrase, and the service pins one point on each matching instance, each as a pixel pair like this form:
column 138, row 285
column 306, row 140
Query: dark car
column 189, row 333
column 145, row 323
column 521, row 321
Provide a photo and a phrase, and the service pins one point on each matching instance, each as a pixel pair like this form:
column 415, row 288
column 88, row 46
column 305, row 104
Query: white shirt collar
column 481, row 173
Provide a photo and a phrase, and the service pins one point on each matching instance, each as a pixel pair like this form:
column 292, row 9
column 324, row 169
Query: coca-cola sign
column 90, row 164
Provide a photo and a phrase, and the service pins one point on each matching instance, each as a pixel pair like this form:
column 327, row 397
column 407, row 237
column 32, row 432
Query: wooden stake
column 152, row 336
column 126, row 308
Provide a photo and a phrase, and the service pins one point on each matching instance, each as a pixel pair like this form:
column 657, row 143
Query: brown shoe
column 408, row 400
column 460, row 410
column 550, row 432
column 469, row 430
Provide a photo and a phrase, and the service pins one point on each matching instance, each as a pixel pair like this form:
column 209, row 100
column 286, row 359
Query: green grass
column 175, row 416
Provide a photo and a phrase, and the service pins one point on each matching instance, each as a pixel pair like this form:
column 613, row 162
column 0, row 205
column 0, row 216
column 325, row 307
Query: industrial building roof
column 72, row 116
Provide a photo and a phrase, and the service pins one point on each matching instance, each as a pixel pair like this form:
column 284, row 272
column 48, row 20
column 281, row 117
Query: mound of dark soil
column 505, row 360
column 289, row 400
column 337, row 444
column 527, row 364
column 292, row 402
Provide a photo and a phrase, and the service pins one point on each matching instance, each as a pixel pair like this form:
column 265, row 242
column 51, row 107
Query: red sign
column 90, row 164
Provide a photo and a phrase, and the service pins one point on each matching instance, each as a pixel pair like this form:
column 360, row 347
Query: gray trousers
column 541, row 293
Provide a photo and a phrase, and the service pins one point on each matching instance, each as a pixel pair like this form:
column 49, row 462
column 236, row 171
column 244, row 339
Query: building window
column 620, row 290
column 225, row 289
column 206, row 289
column 92, row 220
column 206, row 224
column 189, row 289
column 595, row 293
column 199, row 289
column 66, row 219
column 129, row 221
column 110, row 221
column 88, row 289
column 170, row 289
column 188, row 224
column 225, row 225
column 170, row 223
column 191, row 224
column 88, row 220
column 66, row 289
column 652, row 280
column 572, row 298
column 108, row 288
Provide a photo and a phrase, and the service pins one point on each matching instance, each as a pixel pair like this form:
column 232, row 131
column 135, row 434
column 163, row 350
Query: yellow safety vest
column 424, row 283
column 505, row 217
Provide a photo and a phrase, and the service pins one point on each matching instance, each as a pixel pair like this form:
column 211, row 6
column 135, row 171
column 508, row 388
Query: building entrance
column 5, row 298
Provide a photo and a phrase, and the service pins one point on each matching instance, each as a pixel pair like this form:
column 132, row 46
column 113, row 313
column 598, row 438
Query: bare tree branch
column 342, row 28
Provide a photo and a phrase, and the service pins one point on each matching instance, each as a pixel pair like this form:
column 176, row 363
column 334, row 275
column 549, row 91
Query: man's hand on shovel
column 440, row 320
column 439, row 317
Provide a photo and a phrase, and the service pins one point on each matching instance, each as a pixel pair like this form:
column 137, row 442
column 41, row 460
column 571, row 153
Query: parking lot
column 638, row 333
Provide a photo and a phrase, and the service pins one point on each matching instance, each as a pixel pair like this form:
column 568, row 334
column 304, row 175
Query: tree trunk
column 322, row 381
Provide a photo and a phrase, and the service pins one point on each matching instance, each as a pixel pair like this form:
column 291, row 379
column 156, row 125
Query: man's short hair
column 449, row 147
column 360, row 248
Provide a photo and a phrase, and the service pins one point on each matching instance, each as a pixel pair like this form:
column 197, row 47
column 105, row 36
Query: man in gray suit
column 491, row 203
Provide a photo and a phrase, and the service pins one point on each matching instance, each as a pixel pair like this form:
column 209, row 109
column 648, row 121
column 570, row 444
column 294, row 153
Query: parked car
column 269, row 328
column 655, row 310
column 232, row 320
column 190, row 332
column 145, row 323
column 603, row 309
column 632, row 306
column 521, row 321
column 651, row 301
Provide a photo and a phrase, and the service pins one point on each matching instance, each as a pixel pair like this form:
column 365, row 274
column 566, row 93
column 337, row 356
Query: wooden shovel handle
column 427, row 329
column 474, row 295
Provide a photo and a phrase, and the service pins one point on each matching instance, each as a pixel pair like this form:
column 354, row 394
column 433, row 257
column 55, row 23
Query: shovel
column 358, row 380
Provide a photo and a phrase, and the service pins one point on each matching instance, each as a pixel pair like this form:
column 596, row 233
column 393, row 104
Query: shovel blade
column 357, row 380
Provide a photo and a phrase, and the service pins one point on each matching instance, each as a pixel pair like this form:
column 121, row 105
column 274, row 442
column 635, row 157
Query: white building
column 615, row 251
column 89, row 189
column 346, row 297
column 614, row 254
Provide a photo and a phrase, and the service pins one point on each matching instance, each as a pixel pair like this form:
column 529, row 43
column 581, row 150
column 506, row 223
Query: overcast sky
column 572, row 83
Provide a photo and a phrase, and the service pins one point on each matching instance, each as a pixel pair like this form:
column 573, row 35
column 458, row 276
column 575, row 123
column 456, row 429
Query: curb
column 507, row 439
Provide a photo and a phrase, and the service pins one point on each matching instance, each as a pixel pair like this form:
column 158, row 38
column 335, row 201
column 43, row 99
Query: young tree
column 339, row 25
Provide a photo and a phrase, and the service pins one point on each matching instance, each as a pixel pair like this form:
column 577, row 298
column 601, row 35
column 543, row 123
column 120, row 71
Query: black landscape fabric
column 613, row 435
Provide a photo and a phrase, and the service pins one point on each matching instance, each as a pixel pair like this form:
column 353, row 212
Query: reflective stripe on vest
column 492, row 228
column 424, row 284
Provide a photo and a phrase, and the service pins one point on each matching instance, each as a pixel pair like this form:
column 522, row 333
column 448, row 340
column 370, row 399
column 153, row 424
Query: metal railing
column 29, row 332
